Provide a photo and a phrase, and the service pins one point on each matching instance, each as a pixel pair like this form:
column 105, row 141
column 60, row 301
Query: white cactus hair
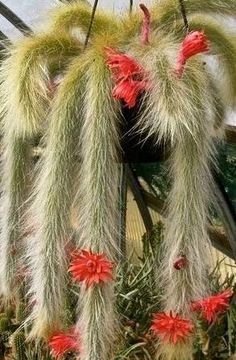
column 179, row 351
column 28, row 65
column 77, row 15
column 25, row 76
column 79, row 126
column 54, row 193
column 169, row 117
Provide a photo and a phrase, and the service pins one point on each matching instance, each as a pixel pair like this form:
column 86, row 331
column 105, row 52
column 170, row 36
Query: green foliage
column 156, row 176
column 152, row 241
column 136, row 301
column 138, row 298
column 218, row 340
column 227, row 164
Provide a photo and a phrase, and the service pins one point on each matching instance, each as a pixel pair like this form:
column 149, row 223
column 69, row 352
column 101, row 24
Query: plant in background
column 72, row 96
column 227, row 164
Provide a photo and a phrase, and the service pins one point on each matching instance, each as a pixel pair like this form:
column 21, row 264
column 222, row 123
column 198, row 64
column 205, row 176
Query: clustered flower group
column 169, row 328
column 95, row 269
column 173, row 329
column 131, row 79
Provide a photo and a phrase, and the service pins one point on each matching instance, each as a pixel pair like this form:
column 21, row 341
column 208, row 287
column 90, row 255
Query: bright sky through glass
column 33, row 11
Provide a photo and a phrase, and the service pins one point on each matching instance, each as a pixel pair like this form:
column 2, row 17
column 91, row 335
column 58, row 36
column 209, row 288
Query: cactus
column 4, row 324
column 6, row 336
column 20, row 312
column 82, row 151
column 9, row 312
column 3, row 315
column 19, row 346
column 99, row 145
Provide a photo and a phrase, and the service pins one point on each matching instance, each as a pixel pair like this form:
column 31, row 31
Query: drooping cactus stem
column 51, row 208
column 98, row 217
column 17, row 165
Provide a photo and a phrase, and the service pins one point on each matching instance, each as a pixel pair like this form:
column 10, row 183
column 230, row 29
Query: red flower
column 61, row 343
column 170, row 328
column 122, row 65
column 146, row 24
column 91, row 268
column 180, row 262
column 213, row 305
column 194, row 43
column 128, row 90
column 131, row 79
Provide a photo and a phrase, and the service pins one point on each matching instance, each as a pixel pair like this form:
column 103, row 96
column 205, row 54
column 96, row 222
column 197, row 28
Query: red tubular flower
column 128, row 90
column 170, row 328
column 213, row 305
column 146, row 24
column 131, row 79
column 194, row 43
column 61, row 343
column 91, row 268
column 122, row 66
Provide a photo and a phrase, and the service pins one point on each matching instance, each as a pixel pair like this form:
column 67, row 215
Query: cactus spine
column 19, row 346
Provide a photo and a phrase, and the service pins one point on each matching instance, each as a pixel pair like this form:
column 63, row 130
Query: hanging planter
column 146, row 65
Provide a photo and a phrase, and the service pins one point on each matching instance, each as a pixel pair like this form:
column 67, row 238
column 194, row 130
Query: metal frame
column 14, row 19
